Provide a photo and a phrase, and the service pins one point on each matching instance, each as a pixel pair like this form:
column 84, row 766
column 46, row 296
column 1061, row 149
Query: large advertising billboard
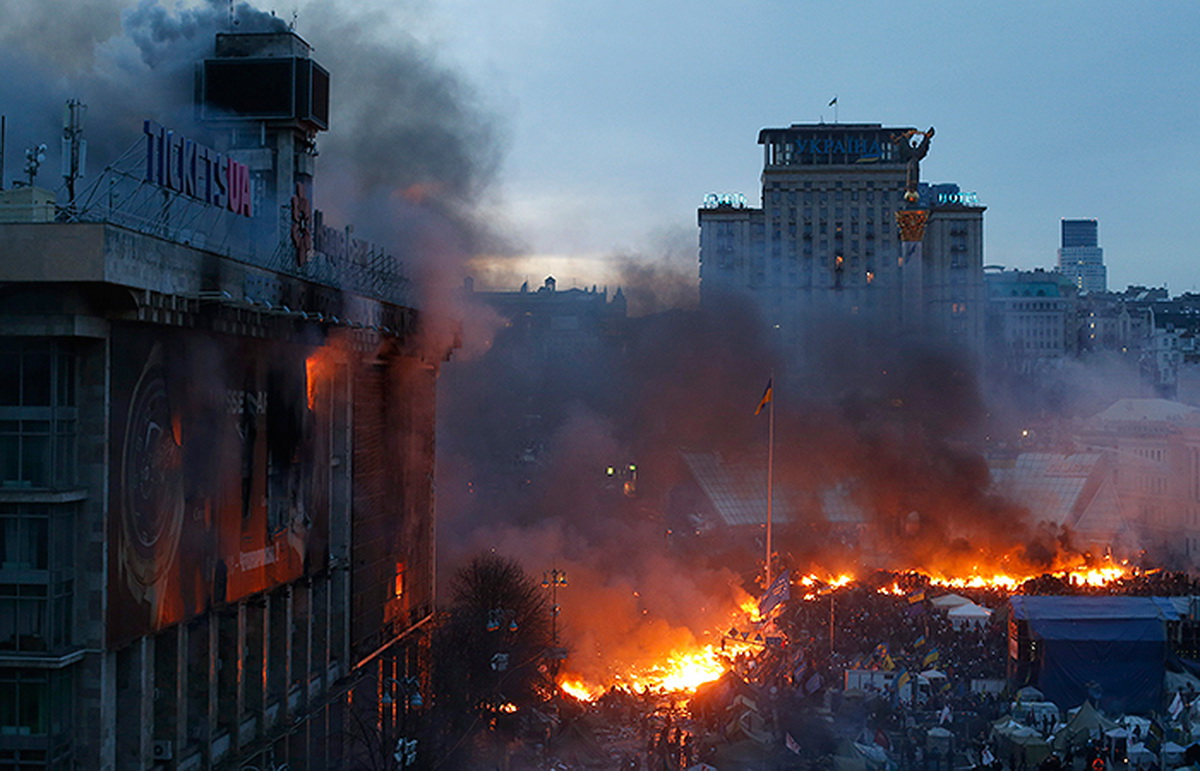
column 218, row 473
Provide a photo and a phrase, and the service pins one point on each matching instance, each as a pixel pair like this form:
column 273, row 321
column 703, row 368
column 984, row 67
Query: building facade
column 1154, row 446
column 1032, row 318
column 216, row 454
column 1080, row 257
column 825, row 240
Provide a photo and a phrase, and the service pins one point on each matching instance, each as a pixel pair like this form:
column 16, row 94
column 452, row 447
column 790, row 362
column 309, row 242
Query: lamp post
column 552, row 579
column 408, row 688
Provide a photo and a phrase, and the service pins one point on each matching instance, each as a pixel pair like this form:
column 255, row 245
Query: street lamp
column 552, row 579
column 409, row 688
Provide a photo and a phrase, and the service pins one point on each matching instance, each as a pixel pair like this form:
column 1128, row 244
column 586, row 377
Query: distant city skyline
column 623, row 116
column 615, row 119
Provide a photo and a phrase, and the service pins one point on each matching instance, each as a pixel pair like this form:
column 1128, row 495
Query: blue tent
column 1110, row 650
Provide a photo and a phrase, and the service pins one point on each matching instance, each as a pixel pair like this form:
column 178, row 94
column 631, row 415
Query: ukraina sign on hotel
column 195, row 170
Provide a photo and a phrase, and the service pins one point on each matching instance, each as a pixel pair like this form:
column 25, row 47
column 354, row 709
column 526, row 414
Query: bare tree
column 489, row 656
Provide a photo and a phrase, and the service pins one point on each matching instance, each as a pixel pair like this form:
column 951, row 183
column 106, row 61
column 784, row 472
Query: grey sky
column 615, row 118
column 622, row 115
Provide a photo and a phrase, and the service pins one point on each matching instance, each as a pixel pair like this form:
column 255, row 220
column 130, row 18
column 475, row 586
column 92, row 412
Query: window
column 36, row 576
column 24, row 709
column 37, row 414
column 36, row 703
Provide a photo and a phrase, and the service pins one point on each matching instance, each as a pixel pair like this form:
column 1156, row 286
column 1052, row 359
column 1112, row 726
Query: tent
column 1086, row 724
column 1029, row 693
column 1035, row 712
column 1137, row 753
column 1032, row 746
column 857, row 755
column 968, row 614
column 1110, row 650
column 1172, row 754
column 1014, row 740
column 939, row 739
column 948, row 601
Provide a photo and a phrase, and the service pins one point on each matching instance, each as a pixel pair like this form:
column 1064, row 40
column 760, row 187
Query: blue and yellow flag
column 920, row 641
column 930, row 657
column 767, row 397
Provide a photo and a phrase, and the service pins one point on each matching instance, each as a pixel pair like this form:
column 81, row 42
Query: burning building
column 216, row 450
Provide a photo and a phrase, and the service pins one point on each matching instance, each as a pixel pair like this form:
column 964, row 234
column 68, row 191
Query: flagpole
column 770, row 473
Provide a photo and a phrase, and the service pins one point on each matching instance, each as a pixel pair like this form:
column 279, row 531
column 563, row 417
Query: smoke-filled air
column 599, row 458
column 888, row 430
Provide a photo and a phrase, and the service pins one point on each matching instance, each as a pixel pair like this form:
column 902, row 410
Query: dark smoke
column 664, row 278
column 894, row 425
column 411, row 149
column 125, row 62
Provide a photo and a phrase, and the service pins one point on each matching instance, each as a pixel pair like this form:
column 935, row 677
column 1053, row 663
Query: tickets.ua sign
column 189, row 168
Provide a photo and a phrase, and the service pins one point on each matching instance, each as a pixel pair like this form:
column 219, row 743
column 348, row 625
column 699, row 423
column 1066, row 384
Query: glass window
column 26, row 707
column 37, row 414
column 10, row 376
column 36, row 576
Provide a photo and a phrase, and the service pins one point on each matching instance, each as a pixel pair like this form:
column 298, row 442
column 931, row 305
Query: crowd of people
column 784, row 702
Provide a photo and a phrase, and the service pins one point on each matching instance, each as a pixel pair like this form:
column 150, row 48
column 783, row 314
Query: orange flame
column 680, row 671
column 684, row 670
column 581, row 690
column 749, row 606
column 318, row 367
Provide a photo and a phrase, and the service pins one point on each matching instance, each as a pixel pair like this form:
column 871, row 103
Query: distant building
column 553, row 348
column 557, row 325
column 1158, row 332
column 1080, row 257
column 1154, row 450
column 1076, row 491
column 825, row 239
column 1031, row 318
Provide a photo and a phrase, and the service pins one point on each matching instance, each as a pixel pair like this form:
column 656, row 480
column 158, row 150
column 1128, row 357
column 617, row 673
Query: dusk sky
column 621, row 116
column 614, row 119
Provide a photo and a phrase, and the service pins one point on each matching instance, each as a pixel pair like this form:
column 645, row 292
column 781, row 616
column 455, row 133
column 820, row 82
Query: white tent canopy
column 948, row 601
column 968, row 613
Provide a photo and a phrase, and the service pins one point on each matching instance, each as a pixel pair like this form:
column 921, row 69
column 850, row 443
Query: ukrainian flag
column 767, row 397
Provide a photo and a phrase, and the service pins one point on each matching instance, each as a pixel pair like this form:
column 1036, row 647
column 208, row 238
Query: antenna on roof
column 74, row 147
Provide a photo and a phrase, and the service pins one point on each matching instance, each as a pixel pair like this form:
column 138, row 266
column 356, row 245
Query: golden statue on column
column 912, row 220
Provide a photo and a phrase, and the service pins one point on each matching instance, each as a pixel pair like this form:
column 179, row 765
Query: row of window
column 885, row 215
column 823, row 195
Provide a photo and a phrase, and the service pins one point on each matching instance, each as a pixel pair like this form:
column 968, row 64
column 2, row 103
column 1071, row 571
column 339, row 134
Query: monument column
column 912, row 231
column 912, row 278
